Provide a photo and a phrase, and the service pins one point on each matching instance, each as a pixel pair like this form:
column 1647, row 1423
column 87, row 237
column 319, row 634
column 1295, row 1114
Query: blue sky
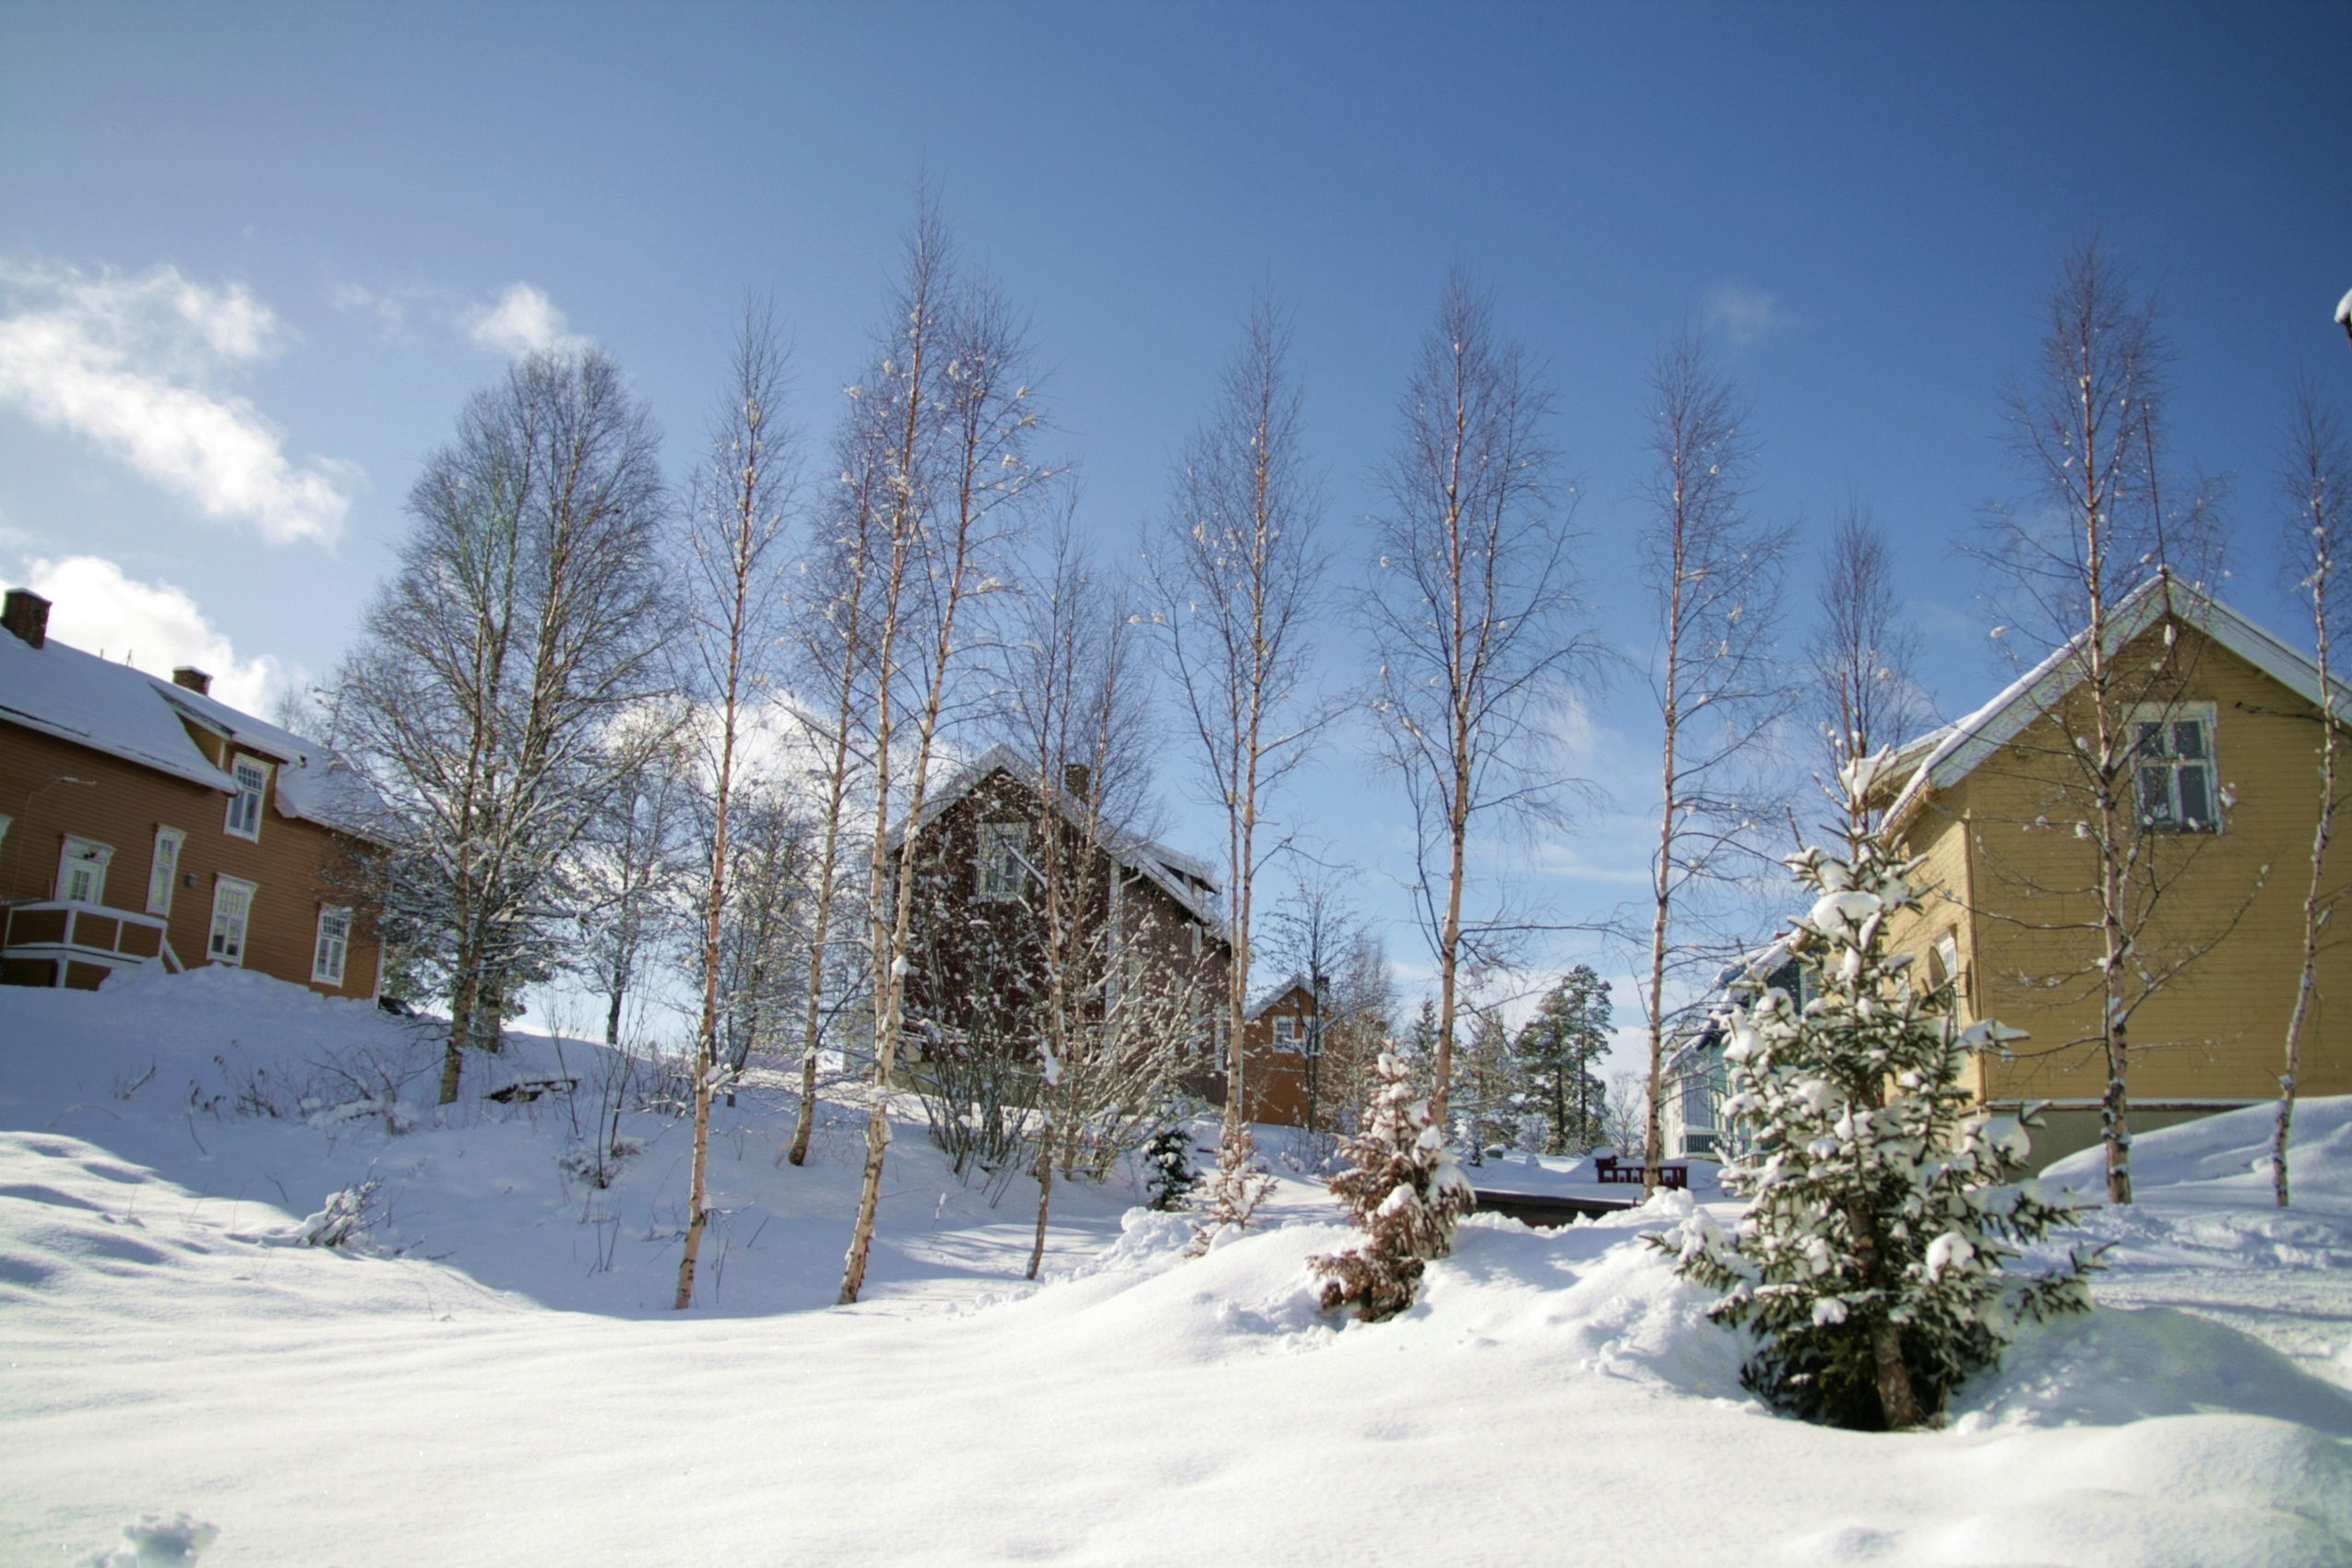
column 290, row 240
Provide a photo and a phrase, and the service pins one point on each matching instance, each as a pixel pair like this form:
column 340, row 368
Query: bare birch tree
column 1238, row 578
column 2086, row 424
column 834, row 607
column 1863, row 653
column 1315, row 931
column 2317, row 486
column 631, row 867
column 1473, row 614
column 958, row 474
column 486, row 695
column 1714, row 575
column 1109, row 1032
column 736, row 522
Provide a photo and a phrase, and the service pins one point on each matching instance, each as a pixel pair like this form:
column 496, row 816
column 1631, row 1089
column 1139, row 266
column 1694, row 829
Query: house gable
column 1943, row 757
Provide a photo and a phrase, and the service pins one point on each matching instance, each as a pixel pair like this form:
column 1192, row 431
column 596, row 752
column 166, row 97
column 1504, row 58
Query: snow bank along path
column 1556, row 1397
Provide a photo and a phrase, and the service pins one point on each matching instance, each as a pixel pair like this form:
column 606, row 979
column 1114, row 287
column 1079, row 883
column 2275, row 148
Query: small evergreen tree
column 1405, row 1191
column 1237, row 1184
column 1168, row 1157
column 1873, row 1257
column 1557, row 1050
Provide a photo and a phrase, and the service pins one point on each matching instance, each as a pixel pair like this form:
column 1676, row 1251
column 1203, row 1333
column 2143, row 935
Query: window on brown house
column 231, row 913
column 1004, row 869
column 164, row 871
column 81, row 871
column 334, row 946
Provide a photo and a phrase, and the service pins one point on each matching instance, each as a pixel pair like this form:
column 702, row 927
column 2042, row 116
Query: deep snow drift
column 488, row 1371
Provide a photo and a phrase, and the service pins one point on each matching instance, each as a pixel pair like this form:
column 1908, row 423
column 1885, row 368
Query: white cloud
column 1745, row 314
column 130, row 362
column 524, row 321
column 153, row 625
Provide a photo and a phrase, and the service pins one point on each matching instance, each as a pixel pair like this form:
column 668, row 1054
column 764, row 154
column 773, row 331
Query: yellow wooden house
column 2222, row 721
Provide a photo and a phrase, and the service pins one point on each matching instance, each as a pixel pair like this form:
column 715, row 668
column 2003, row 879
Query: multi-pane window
column 165, row 870
column 1286, row 1029
column 244, row 806
column 81, row 871
column 2172, row 755
column 334, row 945
column 232, row 912
column 1004, row 869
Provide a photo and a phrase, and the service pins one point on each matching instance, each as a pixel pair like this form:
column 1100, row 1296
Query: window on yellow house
column 2172, row 755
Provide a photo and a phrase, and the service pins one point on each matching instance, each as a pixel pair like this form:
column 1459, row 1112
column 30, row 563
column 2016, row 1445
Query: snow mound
column 2215, row 1491
column 2118, row 1365
column 2232, row 1151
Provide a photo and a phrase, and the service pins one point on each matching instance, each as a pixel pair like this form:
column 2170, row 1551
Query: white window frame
column 1286, row 1029
column 252, row 789
column 1003, row 872
column 335, row 940
column 237, row 923
column 163, row 871
column 83, row 858
column 2171, row 766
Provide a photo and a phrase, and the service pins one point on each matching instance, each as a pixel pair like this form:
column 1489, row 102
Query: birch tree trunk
column 739, row 515
column 2318, row 484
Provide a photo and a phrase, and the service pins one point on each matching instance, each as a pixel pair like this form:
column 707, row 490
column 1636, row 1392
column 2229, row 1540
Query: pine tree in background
column 1405, row 1191
column 1490, row 1098
column 1873, row 1259
column 1557, row 1050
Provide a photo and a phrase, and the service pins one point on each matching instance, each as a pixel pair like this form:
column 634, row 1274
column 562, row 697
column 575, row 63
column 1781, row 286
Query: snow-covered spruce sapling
column 1229, row 1200
column 1872, row 1259
column 1168, row 1157
column 1405, row 1191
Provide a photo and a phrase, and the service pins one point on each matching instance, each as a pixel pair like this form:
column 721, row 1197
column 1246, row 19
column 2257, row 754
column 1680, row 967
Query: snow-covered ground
column 491, row 1373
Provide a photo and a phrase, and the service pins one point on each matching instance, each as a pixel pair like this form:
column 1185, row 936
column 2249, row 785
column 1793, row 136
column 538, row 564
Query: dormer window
column 244, row 806
column 2172, row 757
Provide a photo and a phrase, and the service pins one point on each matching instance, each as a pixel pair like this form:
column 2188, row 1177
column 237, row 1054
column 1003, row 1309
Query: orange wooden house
column 143, row 822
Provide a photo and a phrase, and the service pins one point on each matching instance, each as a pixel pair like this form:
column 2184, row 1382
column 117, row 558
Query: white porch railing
column 64, row 932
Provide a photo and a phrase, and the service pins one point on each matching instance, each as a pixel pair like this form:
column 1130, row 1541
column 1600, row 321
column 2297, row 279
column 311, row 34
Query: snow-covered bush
column 1872, row 1262
column 156, row 1541
column 1405, row 1190
column 344, row 1216
column 597, row 1163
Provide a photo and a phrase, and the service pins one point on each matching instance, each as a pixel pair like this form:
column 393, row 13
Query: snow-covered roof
column 1188, row 881
column 59, row 690
column 1276, row 992
column 1943, row 756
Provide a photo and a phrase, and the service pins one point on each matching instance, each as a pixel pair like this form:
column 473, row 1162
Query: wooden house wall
column 2004, row 843
column 964, row 943
column 291, row 865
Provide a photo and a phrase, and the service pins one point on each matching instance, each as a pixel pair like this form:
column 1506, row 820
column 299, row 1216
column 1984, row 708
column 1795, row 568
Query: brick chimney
column 195, row 680
column 25, row 613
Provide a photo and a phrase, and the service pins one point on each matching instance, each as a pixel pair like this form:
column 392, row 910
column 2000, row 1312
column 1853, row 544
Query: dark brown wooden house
column 143, row 823
column 977, row 942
